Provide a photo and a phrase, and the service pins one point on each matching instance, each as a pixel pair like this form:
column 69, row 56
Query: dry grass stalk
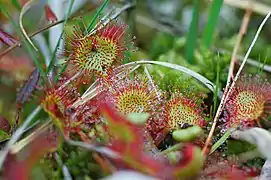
column 226, row 93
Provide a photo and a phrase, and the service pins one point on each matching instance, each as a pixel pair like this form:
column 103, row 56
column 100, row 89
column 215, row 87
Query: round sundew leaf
column 138, row 118
column 187, row 135
column 248, row 100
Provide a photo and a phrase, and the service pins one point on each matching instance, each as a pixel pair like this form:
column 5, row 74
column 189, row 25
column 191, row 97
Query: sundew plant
column 105, row 91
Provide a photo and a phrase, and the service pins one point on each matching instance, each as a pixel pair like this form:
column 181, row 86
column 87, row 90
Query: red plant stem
column 31, row 35
column 241, row 33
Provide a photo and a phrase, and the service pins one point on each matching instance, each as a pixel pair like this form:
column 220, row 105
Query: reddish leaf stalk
column 18, row 43
column 7, row 39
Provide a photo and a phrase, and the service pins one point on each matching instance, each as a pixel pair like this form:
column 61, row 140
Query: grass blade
column 212, row 20
column 69, row 12
column 191, row 41
column 183, row 69
column 25, row 8
column 96, row 16
column 221, row 140
column 63, row 68
column 52, row 61
column 51, row 65
column 16, row 4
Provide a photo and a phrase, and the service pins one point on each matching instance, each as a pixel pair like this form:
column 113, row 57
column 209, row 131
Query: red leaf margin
column 134, row 157
column 18, row 169
column 50, row 15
